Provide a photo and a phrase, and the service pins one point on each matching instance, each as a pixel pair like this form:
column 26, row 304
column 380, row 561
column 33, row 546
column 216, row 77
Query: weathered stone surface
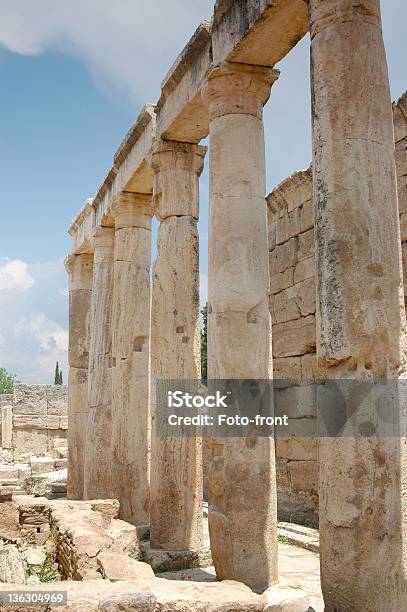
column 294, row 337
column 11, row 565
column 46, row 483
column 176, row 463
column 115, row 566
column 98, row 463
column 243, row 533
column 7, row 426
column 287, row 368
column 304, row 269
column 285, row 598
column 9, row 525
column 128, row 601
column 130, row 348
column 361, row 324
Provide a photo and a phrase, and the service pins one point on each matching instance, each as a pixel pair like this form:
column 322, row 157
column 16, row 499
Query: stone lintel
column 258, row 32
column 146, row 115
column 181, row 114
column 185, row 59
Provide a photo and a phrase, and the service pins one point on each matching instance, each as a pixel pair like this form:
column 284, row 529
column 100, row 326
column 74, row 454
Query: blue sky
column 74, row 76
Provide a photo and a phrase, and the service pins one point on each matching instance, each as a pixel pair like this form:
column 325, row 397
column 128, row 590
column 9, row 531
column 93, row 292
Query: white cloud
column 127, row 45
column 14, row 275
column 33, row 323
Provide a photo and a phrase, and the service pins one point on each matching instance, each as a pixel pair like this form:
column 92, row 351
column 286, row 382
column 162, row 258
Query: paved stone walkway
column 295, row 565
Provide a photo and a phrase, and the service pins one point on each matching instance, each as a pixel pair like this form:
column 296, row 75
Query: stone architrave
column 242, row 487
column 80, row 271
column 176, row 462
column 98, row 462
column 361, row 326
column 130, row 348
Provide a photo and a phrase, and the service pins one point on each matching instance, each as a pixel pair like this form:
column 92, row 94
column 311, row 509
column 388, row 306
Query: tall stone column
column 361, row 327
column 241, row 480
column 80, row 271
column 98, row 463
column 176, row 462
column 130, row 349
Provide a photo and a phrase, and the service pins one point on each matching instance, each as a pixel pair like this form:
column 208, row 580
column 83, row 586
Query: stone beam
column 181, row 112
column 258, row 32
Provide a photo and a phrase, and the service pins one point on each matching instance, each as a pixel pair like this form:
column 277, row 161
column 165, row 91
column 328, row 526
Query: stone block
column 296, row 402
column 57, row 399
column 281, row 280
column 30, row 399
column 294, row 302
column 41, row 465
column 272, row 235
column 11, row 566
column 306, row 244
column 307, row 216
column 400, row 124
column 402, row 191
column 285, row 598
column 311, row 370
column 294, row 337
column 284, row 256
column 287, row 368
column 306, row 296
column 23, row 421
column 403, row 227
column 116, row 566
column 288, row 225
column 305, row 269
column 284, row 307
column 303, row 476
column 30, row 441
column 297, row 449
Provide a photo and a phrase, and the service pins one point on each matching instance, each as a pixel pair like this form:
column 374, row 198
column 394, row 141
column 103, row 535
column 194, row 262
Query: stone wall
column 39, row 419
column 292, row 307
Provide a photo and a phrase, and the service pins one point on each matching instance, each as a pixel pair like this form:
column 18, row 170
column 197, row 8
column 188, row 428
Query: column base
column 173, row 560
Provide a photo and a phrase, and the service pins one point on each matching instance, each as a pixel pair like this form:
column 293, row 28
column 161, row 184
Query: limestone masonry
column 307, row 286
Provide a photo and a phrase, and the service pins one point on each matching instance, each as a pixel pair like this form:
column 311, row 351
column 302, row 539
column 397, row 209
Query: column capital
column 177, row 167
column 172, row 155
column 80, row 270
column 238, row 89
column 102, row 242
column 132, row 210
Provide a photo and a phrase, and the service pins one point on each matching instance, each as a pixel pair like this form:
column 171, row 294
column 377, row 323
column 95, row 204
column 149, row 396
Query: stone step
column 9, row 482
column 300, row 540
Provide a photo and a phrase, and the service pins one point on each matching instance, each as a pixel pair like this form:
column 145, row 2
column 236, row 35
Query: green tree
column 58, row 375
column 7, row 381
column 204, row 343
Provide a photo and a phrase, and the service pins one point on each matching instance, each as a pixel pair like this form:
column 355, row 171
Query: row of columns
column 361, row 324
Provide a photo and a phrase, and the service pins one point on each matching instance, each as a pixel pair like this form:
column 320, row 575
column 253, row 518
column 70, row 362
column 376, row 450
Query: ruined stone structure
column 34, row 419
column 292, row 308
column 353, row 324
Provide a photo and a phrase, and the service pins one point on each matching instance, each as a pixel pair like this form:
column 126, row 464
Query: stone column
column 242, row 489
column 176, row 463
column 130, row 349
column 80, row 271
column 7, row 427
column 361, row 327
column 98, row 463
